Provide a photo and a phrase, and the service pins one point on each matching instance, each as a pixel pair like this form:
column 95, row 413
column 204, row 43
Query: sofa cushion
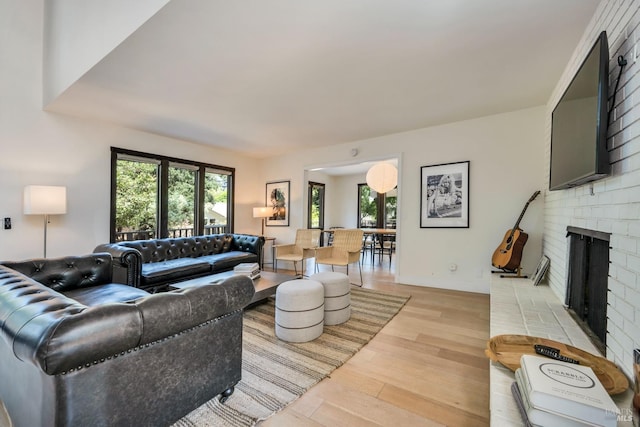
column 173, row 270
column 227, row 260
column 107, row 293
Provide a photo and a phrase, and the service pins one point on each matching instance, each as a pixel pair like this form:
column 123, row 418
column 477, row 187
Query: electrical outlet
column 7, row 223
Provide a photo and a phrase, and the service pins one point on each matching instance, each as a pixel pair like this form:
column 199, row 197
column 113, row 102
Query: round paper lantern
column 382, row 177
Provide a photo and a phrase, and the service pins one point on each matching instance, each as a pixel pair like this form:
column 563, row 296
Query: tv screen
column 579, row 123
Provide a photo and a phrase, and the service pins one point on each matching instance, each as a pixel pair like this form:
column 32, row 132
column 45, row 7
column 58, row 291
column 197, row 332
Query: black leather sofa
column 77, row 349
column 153, row 264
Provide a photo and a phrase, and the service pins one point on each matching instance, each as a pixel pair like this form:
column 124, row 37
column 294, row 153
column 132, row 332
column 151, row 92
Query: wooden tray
column 507, row 349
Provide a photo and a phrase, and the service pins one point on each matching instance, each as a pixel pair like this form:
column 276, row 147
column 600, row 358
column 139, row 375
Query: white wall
column 506, row 152
column 615, row 205
column 49, row 149
column 79, row 33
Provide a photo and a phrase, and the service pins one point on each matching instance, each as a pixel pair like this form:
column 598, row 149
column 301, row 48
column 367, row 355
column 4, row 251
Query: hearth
column 587, row 282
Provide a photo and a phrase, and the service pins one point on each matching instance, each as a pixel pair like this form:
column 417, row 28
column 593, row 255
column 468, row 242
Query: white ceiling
column 265, row 76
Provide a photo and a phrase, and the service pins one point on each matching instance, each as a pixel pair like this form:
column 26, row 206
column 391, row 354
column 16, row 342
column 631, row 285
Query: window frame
column 310, row 187
column 164, row 162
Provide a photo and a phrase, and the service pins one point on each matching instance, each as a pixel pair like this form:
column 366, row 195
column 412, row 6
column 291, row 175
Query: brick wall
column 610, row 205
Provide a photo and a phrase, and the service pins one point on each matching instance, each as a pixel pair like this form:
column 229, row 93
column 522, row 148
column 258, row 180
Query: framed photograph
column 277, row 197
column 444, row 195
column 541, row 270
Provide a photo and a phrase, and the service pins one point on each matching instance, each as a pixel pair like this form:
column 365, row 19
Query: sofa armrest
column 171, row 312
column 127, row 263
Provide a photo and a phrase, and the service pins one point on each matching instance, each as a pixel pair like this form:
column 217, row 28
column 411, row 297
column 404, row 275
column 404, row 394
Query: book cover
column 567, row 389
column 538, row 417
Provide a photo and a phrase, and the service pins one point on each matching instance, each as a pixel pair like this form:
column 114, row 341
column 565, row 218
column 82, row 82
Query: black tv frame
column 602, row 166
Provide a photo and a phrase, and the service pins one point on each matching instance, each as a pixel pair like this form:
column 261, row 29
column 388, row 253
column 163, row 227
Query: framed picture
column 541, row 270
column 444, row 195
column 277, row 197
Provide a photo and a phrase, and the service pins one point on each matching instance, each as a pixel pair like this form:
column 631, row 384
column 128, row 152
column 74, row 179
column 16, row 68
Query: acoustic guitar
column 509, row 254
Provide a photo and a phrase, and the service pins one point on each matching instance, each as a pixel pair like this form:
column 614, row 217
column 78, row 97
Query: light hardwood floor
column 425, row 368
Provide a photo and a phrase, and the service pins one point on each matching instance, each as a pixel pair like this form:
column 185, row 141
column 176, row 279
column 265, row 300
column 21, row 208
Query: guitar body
column 509, row 254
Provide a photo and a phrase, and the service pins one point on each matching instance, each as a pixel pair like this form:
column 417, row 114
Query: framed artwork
column 277, row 197
column 541, row 270
column 444, row 195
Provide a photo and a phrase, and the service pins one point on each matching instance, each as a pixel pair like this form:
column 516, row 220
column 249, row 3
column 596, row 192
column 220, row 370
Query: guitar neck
column 526, row 205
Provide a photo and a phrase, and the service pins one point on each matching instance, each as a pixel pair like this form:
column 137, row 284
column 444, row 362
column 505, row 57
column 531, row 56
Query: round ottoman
column 299, row 310
column 337, row 296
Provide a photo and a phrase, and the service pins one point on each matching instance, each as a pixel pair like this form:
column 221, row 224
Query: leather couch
column 153, row 264
column 78, row 349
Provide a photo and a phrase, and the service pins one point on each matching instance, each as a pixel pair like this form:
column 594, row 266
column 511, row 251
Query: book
column 250, row 269
column 537, row 417
column 247, row 266
column 567, row 389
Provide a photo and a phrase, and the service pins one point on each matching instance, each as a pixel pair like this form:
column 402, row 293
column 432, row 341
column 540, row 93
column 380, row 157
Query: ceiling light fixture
column 382, row 177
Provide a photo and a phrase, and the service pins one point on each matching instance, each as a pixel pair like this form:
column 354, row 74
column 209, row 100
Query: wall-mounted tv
column 579, row 123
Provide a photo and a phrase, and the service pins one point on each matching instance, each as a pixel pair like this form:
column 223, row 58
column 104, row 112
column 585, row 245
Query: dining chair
column 345, row 250
column 385, row 244
column 303, row 248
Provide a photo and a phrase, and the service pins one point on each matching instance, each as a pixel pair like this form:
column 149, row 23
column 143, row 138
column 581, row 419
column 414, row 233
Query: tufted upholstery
column 150, row 264
column 151, row 358
column 68, row 273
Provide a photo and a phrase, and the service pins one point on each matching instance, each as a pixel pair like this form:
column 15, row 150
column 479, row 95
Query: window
column 155, row 196
column 375, row 210
column 316, row 205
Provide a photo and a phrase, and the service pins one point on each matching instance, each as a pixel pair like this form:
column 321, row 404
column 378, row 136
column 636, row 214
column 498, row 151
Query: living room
column 508, row 153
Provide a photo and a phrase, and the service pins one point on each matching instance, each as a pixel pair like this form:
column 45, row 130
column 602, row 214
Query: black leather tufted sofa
column 77, row 349
column 153, row 264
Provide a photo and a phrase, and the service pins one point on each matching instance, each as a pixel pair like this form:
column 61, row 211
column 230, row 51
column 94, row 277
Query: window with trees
column 376, row 210
column 316, row 205
column 155, row 196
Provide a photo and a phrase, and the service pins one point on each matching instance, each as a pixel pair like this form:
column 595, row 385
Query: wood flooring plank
column 437, row 411
column 365, row 407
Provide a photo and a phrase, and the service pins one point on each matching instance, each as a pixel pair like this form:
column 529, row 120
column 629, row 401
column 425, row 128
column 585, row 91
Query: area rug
column 275, row 373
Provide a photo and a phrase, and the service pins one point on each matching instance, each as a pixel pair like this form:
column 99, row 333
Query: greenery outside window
column 376, row 210
column 316, row 205
column 155, row 196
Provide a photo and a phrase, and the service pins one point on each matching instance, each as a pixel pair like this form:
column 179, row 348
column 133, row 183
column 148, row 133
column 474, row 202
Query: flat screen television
column 579, row 123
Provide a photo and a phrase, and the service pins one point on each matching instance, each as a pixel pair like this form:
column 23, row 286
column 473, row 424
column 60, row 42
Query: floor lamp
column 45, row 200
column 263, row 212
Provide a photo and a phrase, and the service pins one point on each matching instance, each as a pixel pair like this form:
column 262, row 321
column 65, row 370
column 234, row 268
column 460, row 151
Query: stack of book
column 554, row 393
column 247, row 269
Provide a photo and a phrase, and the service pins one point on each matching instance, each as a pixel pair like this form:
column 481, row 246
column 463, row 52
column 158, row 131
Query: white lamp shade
column 382, row 177
column 45, row 200
column 262, row 212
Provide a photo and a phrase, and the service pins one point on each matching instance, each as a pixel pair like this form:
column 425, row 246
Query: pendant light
column 382, row 177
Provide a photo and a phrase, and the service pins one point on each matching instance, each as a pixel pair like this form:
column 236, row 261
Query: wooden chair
column 345, row 250
column 304, row 248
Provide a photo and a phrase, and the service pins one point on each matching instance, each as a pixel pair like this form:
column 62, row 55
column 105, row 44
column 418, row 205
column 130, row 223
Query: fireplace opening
column 587, row 282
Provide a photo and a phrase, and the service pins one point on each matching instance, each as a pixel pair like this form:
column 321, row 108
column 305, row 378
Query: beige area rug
column 275, row 373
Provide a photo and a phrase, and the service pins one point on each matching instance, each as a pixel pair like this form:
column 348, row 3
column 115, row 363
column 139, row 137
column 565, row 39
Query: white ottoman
column 337, row 296
column 299, row 310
